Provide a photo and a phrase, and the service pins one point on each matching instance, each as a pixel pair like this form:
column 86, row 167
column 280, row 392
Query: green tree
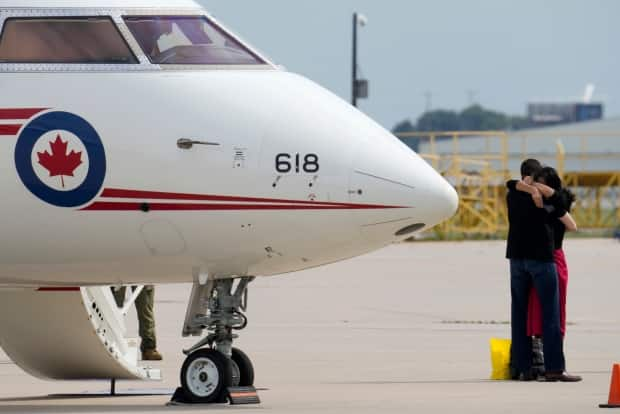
column 439, row 120
column 404, row 126
column 472, row 118
column 407, row 126
column 476, row 118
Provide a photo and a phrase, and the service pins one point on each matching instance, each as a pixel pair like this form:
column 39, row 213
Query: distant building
column 546, row 114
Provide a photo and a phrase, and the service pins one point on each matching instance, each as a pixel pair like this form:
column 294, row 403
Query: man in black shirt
column 530, row 250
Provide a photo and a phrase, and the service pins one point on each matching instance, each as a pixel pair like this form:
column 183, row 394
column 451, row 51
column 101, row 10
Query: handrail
column 128, row 302
column 479, row 168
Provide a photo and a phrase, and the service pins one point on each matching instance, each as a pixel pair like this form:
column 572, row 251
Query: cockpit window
column 63, row 40
column 188, row 40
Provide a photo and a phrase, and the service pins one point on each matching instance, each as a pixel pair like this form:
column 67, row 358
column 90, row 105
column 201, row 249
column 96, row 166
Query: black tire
column 198, row 378
column 245, row 367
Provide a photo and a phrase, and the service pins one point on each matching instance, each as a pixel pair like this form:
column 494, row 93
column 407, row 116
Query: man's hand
column 538, row 198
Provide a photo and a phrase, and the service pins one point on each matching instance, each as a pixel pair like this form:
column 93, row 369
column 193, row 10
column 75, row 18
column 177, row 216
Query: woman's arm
column 533, row 191
column 545, row 190
column 568, row 222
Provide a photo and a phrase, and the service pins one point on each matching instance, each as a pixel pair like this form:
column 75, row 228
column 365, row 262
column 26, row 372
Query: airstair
column 70, row 334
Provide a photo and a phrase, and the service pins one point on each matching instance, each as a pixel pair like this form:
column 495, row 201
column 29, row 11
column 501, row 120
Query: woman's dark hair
column 550, row 177
column 567, row 197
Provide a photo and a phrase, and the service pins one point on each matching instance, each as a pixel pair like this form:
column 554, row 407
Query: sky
column 443, row 53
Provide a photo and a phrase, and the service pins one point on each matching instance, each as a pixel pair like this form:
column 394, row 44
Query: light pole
column 359, row 87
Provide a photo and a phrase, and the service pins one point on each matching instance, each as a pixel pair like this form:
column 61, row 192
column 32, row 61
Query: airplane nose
column 393, row 190
column 416, row 197
column 440, row 199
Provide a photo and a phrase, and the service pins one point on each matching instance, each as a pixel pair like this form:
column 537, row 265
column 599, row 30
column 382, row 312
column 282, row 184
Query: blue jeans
column 542, row 275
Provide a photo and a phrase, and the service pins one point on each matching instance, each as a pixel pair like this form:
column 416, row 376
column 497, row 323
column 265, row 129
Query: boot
column 538, row 357
column 151, row 355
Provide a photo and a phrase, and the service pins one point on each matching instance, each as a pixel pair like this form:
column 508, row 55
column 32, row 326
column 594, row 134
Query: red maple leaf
column 59, row 162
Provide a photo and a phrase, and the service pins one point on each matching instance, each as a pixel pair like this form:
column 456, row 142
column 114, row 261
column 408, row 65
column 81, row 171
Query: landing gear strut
column 213, row 367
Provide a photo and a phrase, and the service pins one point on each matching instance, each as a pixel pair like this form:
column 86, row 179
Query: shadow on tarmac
column 76, row 408
column 87, row 403
column 144, row 408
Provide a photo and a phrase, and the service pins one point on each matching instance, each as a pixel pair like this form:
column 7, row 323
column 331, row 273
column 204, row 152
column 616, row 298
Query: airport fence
column 478, row 163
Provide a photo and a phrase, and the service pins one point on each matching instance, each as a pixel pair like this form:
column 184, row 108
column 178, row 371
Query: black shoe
column 538, row 371
column 528, row 376
column 561, row 377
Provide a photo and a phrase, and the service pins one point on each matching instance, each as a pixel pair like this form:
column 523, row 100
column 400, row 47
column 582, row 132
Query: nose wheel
column 205, row 376
column 214, row 371
column 242, row 369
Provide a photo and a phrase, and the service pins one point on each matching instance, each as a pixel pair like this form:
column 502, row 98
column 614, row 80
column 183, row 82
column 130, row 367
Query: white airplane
column 142, row 142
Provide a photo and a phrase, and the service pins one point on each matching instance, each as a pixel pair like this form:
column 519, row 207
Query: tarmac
column 402, row 329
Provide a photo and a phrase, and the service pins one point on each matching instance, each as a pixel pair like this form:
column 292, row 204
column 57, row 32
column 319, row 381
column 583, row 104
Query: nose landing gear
column 214, row 371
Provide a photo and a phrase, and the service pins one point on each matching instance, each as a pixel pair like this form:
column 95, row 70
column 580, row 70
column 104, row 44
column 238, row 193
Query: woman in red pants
column 547, row 181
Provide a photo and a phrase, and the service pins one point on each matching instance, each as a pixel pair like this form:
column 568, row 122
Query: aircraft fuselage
column 146, row 175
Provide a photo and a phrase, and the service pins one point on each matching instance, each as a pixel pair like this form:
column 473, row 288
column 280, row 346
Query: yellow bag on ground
column 500, row 358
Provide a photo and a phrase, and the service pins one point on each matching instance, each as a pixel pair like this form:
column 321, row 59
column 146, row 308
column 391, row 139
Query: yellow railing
column 479, row 172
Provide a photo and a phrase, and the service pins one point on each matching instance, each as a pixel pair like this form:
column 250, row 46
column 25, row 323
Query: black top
column 530, row 233
column 559, row 229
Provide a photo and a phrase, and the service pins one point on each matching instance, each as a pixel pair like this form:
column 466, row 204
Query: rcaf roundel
column 60, row 159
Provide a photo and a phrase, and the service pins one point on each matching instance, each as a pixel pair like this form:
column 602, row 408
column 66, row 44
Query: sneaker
column 151, row 355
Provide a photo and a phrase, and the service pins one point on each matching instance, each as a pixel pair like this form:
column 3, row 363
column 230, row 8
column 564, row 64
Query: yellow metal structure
column 479, row 177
